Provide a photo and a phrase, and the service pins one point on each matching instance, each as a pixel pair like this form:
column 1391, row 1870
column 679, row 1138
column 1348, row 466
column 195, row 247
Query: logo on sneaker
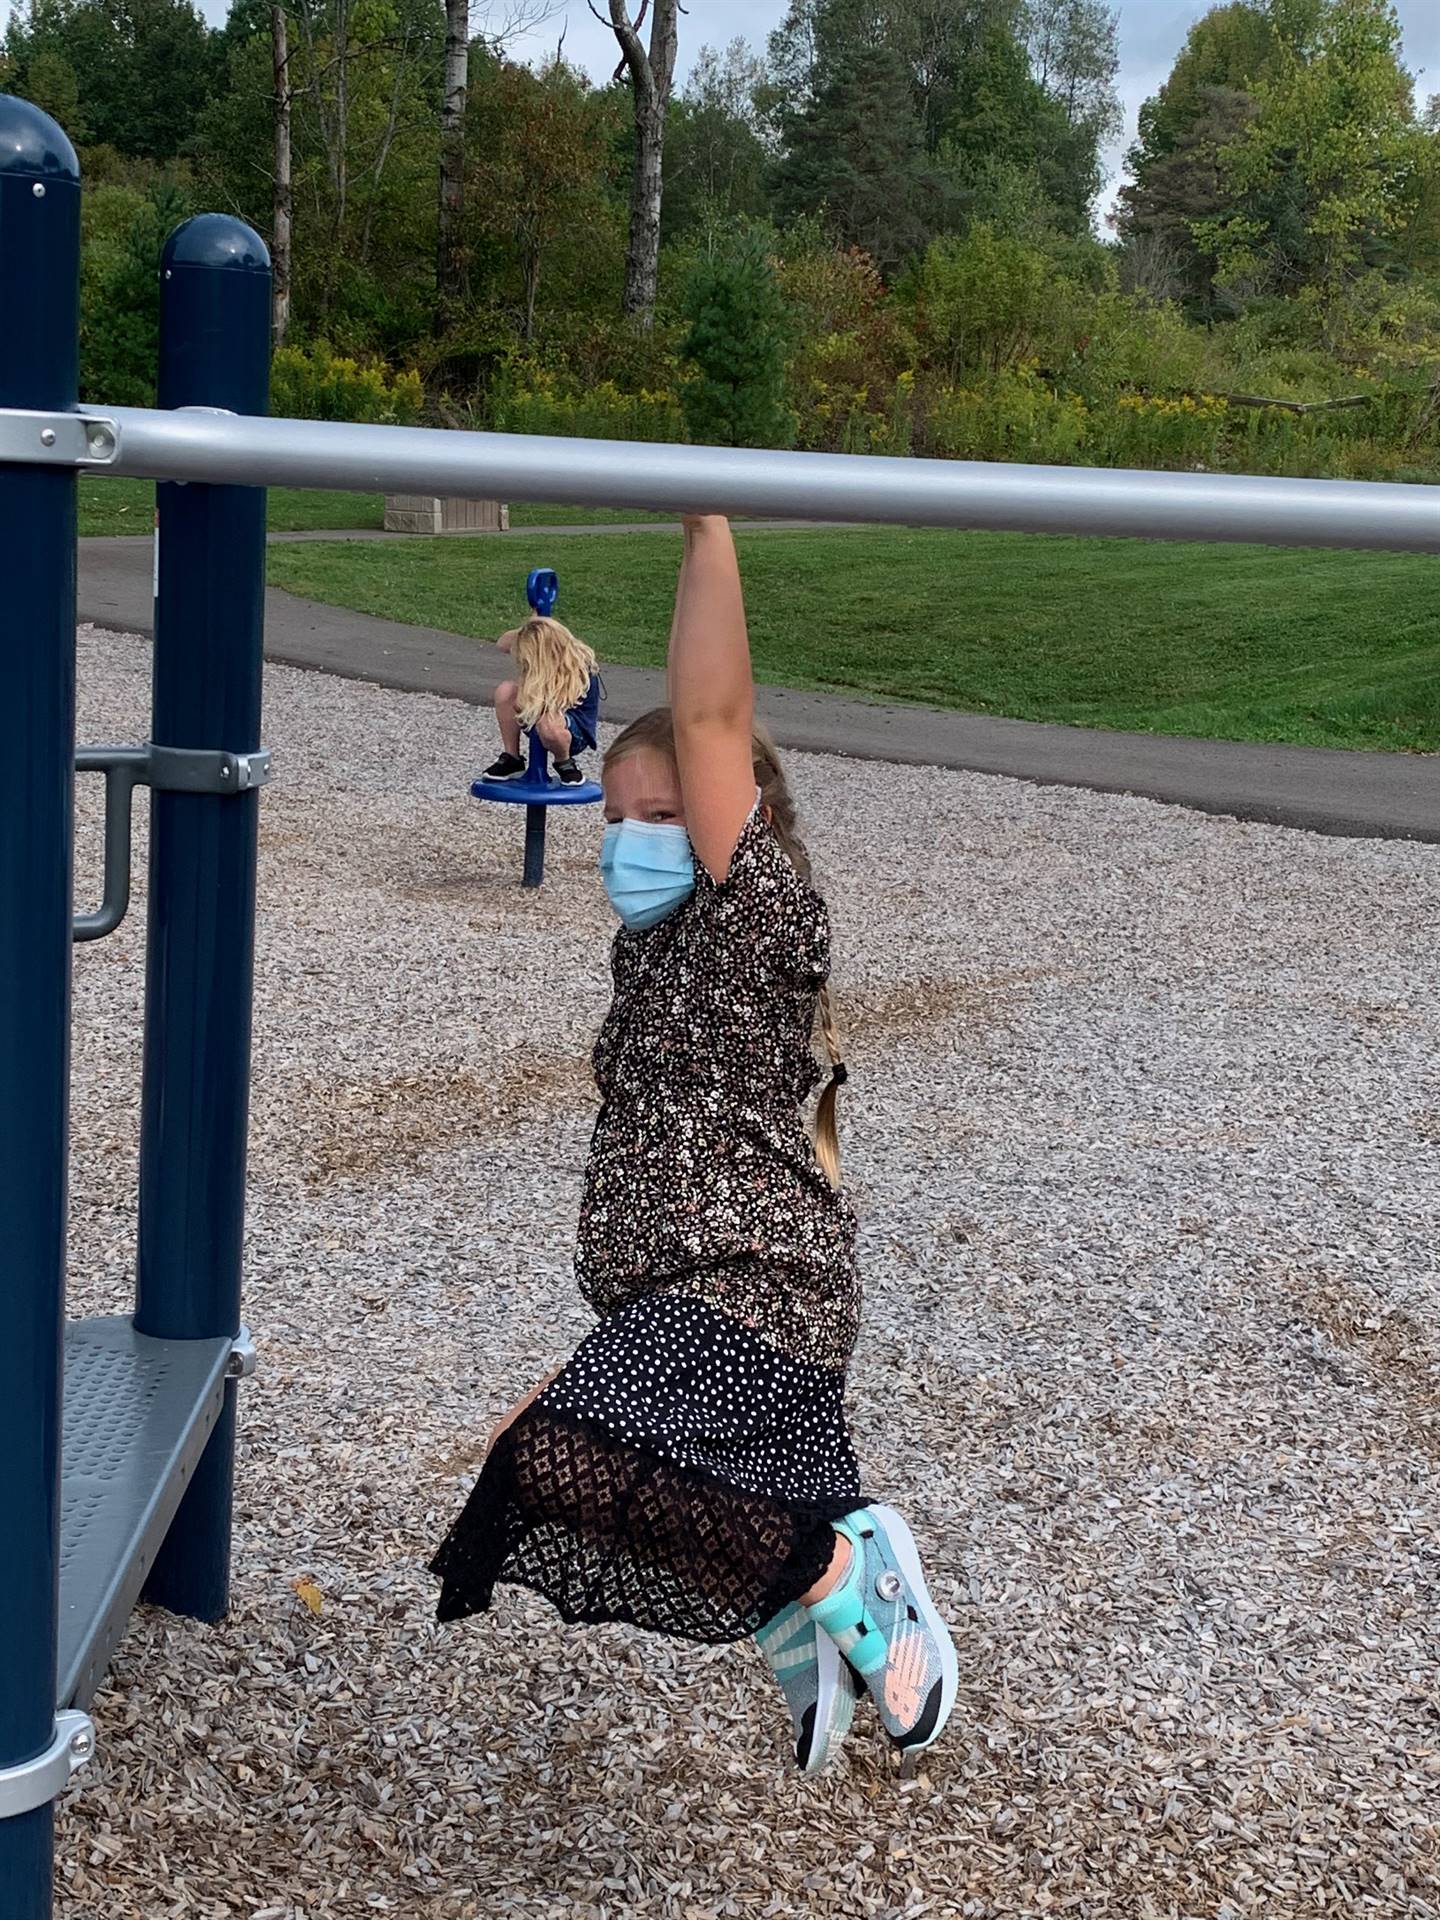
column 904, row 1675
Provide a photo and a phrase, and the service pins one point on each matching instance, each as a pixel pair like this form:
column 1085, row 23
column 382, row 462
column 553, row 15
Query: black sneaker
column 508, row 767
column 568, row 773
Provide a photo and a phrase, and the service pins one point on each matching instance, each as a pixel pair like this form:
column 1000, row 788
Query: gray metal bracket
column 203, row 770
column 35, row 1783
column 244, row 1357
column 58, row 439
column 163, row 770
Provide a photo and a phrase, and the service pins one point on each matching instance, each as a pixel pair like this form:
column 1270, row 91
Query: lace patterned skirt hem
column 679, row 1475
column 611, row 1533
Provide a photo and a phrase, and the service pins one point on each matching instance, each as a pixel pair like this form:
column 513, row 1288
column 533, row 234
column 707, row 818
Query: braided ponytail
column 827, row 1133
column 775, row 795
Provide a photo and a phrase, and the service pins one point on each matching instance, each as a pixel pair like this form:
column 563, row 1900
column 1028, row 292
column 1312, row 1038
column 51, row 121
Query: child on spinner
column 556, row 692
column 690, row 1470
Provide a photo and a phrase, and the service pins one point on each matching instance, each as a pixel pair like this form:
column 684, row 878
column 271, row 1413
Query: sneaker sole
column 834, row 1704
column 907, row 1558
column 503, row 779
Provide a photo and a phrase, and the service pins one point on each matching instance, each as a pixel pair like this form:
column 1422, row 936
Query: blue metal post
column 209, row 620
column 533, row 872
column 39, row 331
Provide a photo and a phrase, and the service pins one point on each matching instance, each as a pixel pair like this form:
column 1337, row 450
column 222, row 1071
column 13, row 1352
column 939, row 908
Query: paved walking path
column 1371, row 795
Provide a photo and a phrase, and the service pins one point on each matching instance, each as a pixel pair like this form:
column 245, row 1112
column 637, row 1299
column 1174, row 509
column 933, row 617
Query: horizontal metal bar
column 180, row 769
column 188, row 445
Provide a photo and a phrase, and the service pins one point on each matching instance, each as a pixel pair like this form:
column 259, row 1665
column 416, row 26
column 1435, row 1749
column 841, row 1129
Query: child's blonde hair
column 552, row 669
column 656, row 731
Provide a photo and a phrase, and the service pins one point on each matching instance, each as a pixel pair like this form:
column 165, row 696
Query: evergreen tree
column 1013, row 99
column 1021, row 163
column 734, row 395
column 857, row 159
column 1231, row 49
column 1183, row 183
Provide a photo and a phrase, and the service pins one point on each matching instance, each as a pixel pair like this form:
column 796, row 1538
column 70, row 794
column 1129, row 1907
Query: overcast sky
column 1151, row 34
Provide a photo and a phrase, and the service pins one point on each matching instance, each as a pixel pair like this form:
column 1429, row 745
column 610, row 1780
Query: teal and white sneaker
column 884, row 1623
column 818, row 1685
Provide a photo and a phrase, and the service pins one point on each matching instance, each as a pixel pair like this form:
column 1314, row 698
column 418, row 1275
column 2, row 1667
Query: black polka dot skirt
column 681, row 1474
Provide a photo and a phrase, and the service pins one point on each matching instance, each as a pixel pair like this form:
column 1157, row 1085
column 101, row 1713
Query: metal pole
column 39, row 333
column 942, row 493
column 534, row 871
column 209, row 616
column 536, row 772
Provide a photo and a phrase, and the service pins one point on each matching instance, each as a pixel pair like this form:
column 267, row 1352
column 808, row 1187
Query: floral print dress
column 683, row 1471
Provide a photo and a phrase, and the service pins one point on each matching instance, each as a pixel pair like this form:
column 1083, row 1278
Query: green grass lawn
column 115, row 505
column 1241, row 643
column 537, row 513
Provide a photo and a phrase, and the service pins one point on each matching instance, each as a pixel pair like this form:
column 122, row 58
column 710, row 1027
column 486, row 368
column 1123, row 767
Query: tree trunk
column 642, row 255
column 532, row 291
column 342, row 118
column 652, row 74
column 449, row 256
column 283, row 196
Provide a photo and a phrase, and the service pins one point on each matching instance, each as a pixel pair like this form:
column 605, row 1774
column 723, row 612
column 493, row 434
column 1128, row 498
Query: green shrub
column 987, row 302
column 542, row 402
column 734, row 353
column 124, row 234
column 1145, row 430
column 1011, row 415
column 312, row 383
column 1134, row 343
column 847, row 356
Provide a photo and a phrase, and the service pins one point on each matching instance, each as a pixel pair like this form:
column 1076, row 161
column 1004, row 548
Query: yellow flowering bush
column 542, row 403
column 1152, row 430
column 1012, row 415
column 312, row 383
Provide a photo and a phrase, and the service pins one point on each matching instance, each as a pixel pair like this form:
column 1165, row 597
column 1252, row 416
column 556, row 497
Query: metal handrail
column 197, row 444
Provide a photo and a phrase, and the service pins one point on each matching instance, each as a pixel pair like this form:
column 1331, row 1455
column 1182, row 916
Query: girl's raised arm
column 712, row 694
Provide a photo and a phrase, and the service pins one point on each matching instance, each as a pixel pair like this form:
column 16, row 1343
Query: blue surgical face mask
column 648, row 869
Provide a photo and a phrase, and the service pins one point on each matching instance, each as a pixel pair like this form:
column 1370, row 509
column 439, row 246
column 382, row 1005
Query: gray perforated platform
column 137, row 1415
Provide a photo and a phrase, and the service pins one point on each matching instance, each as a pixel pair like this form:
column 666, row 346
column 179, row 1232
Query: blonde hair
column 655, row 731
column 552, row 669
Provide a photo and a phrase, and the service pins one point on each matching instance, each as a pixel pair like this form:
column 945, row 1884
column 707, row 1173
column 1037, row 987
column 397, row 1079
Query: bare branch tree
column 520, row 17
column 449, row 257
column 652, row 77
column 282, row 196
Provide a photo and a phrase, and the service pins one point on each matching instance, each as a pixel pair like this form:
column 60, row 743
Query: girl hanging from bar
column 690, row 1470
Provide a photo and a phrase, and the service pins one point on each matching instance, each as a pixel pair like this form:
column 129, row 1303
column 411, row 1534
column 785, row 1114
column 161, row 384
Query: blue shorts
column 583, row 719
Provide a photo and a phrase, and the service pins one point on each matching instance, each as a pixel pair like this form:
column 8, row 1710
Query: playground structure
column 148, row 1403
column 537, row 792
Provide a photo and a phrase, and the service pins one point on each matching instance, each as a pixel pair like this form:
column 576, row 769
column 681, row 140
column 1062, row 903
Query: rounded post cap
column 216, row 240
column 34, row 145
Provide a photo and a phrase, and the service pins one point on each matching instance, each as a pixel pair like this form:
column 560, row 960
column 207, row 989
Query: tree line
column 878, row 231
